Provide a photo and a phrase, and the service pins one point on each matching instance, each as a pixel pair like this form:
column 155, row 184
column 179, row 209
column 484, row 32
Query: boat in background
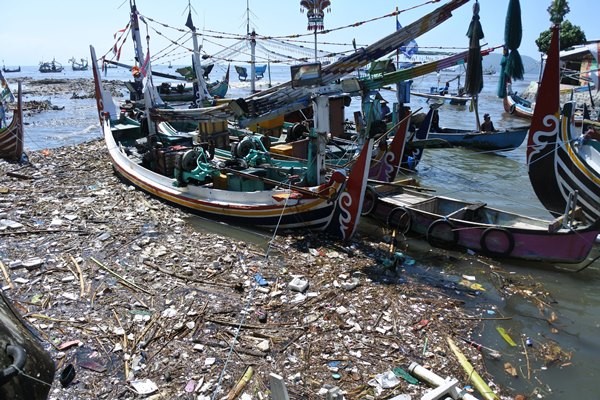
column 81, row 65
column 501, row 140
column 12, row 135
column 17, row 69
column 564, row 166
column 450, row 223
column 50, row 66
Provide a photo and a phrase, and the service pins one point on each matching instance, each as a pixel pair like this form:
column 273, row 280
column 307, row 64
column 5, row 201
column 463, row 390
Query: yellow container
column 283, row 149
column 220, row 182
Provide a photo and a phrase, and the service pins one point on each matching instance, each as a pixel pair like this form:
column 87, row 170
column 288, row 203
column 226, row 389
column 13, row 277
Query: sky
column 33, row 31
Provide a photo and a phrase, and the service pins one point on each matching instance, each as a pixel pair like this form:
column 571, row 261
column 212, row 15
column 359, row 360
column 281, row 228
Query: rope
column 21, row 372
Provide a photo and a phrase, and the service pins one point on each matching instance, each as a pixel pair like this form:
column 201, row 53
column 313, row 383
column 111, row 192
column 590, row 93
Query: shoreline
column 356, row 320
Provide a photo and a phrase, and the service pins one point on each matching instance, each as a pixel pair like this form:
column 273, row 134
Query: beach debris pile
column 131, row 300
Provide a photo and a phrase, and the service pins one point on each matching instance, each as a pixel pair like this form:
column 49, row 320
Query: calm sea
column 498, row 179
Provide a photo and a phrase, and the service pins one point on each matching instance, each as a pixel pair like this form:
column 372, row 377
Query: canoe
column 448, row 223
column 505, row 140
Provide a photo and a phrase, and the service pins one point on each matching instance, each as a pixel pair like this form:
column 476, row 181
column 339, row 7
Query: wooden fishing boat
column 505, row 140
column 517, row 105
column 453, row 99
column 11, row 136
column 17, row 69
column 564, row 168
column 51, row 66
column 187, row 176
column 447, row 223
column 81, row 65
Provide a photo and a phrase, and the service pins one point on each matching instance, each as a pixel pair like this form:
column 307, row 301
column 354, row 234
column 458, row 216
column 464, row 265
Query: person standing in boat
column 488, row 125
column 385, row 110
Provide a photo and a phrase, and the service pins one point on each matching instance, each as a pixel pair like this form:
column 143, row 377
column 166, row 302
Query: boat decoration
column 11, row 134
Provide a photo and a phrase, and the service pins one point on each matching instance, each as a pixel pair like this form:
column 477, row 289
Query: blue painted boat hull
column 506, row 140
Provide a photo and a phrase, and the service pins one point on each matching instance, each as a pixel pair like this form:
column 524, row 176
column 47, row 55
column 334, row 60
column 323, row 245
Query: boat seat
column 476, row 206
column 468, row 213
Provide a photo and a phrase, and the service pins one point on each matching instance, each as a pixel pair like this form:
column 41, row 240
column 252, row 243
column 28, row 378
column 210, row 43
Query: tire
column 370, row 201
column 441, row 233
column 244, row 147
column 497, row 242
column 400, row 218
column 512, row 108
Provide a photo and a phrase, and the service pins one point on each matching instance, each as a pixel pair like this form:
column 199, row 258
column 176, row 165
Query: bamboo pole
column 239, row 387
column 474, row 376
column 6, row 276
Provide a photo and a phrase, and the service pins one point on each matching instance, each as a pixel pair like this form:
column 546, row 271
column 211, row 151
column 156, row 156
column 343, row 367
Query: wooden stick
column 81, row 281
column 526, row 358
column 6, row 276
column 239, row 387
column 126, row 362
column 125, row 281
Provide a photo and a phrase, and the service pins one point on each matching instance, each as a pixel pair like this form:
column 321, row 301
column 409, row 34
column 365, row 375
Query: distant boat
column 170, row 66
column 82, row 65
column 51, row 66
column 4, row 69
column 491, row 70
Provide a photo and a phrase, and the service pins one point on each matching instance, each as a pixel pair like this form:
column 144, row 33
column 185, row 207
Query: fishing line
column 245, row 311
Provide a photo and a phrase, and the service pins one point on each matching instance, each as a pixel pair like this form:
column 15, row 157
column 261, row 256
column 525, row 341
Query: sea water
column 500, row 180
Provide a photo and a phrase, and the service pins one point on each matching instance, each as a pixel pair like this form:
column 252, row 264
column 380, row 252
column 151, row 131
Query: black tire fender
column 439, row 226
column 400, row 217
column 244, row 147
column 486, row 241
column 369, row 201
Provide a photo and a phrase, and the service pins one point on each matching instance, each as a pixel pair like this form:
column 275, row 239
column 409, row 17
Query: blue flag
column 407, row 49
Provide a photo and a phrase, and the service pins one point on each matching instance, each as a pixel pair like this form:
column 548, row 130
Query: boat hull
column 11, row 137
column 447, row 222
column 506, row 140
column 561, row 163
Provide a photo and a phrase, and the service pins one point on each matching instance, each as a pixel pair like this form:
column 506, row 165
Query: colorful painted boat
column 259, row 197
column 449, row 223
column 12, row 136
column 564, row 168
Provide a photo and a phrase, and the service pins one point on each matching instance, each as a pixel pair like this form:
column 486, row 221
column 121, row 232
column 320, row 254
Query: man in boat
column 445, row 89
column 385, row 110
column 488, row 125
column 591, row 134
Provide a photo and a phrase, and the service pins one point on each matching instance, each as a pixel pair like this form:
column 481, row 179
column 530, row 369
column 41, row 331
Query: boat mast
column 135, row 29
column 203, row 93
column 252, row 38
